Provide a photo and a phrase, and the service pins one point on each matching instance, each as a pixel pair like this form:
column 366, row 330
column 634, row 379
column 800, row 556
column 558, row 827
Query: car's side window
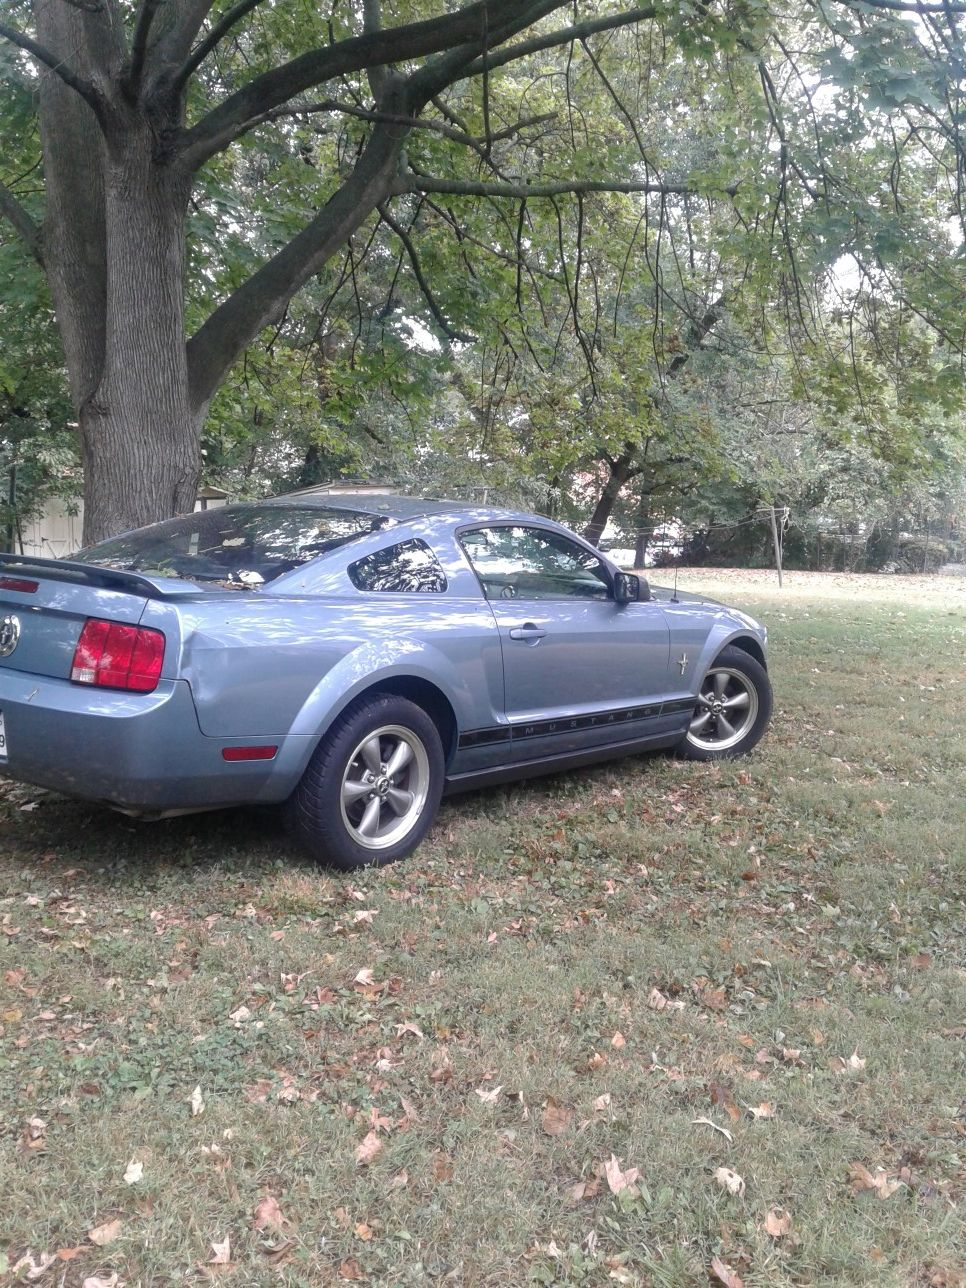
column 407, row 567
column 517, row 562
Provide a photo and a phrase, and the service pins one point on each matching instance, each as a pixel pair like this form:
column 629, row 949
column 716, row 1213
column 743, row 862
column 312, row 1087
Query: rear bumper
column 133, row 751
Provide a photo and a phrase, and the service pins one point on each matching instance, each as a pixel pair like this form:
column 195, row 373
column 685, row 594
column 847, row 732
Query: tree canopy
column 558, row 244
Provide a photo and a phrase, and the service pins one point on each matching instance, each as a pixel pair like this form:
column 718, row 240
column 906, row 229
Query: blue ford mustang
column 354, row 658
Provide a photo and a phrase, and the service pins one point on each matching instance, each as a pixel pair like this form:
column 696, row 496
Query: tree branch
column 29, row 231
column 229, row 119
column 371, row 23
column 411, row 182
column 139, row 44
column 261, row 300
column 562, row 36
column 912, row 6
column 333, row 105
column 434, row 308
column 214, row 38
column 77, row 83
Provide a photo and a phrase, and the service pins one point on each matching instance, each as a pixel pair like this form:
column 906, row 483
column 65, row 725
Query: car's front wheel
column 733, row 708
column 372, row 788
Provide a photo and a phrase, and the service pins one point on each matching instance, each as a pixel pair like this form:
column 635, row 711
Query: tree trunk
column 620, row 470
column 139, row 436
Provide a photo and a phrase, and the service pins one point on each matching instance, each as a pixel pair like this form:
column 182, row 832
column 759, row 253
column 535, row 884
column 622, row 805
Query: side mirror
column 627, row 588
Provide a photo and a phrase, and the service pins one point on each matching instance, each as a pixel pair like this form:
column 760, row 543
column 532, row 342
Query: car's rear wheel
column 373, row 786
column 733, row 708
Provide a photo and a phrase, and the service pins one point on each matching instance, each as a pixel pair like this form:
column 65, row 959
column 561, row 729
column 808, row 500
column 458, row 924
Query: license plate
column 3, row 738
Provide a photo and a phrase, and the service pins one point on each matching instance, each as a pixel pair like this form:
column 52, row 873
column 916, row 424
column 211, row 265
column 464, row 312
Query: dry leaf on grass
column 31, row 1269
column 489, row 1096
column 221, row 1253
column 724, row 1274
column 618, row 1041
column 602, row 1103
column 399, row 1181
column 765, row 1110
column 442, row 1166
column 133, row 1172
column 104, row 1234
column 854, row 1064
column 350, row 1269
column 364, row 1231
column 268, row 1215
column 371, row 1147
column 778, row 1222
column 556, row 1118
column 706, row 1122
column 729, row 1180
column 657, row 1001
column 98, row 1281
column 585, row 1189
column 881, row 1183
column 618, row 1180
column 197, row 1103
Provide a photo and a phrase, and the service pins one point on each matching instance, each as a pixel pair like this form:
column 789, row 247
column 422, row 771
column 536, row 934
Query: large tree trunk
column 139, row 436
column 621, row 468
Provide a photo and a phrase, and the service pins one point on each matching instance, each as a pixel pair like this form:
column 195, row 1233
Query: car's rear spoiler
column 84, row 574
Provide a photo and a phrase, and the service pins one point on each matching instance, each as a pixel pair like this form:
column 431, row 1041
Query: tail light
column 113, row 656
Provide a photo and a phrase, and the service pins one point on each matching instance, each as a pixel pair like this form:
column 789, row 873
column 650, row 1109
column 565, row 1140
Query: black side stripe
column 567, row 724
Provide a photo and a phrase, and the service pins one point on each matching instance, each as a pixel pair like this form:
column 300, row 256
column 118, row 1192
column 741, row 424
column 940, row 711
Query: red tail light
column 20, row 584
column 113, row 656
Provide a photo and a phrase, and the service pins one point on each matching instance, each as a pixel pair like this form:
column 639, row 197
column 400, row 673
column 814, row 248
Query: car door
column 580, row 670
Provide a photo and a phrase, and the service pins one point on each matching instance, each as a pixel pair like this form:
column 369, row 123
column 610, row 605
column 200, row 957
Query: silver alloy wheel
column 384, row 787
column 726, row 709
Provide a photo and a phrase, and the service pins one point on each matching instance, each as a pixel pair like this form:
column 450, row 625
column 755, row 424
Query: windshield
column 245, row 545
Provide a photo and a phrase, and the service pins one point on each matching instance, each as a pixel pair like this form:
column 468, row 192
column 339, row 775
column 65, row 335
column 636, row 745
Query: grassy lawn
column 525, row 1055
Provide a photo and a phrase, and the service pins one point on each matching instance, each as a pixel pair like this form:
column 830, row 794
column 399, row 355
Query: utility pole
column 778, row 547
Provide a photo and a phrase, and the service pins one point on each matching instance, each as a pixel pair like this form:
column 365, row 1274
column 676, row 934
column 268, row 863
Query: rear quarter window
column 409, row 567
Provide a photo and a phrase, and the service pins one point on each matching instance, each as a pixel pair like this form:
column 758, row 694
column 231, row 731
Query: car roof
column 392, row 505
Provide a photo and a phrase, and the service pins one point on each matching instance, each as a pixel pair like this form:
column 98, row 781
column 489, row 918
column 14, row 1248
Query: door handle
column 528, row 631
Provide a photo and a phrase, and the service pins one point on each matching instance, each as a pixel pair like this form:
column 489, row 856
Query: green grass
column 802, row 905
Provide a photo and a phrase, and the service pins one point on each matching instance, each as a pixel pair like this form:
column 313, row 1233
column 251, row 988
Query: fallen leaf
column 68, row 1254
column 706, row 1122
column 723, row 1097
column 104, row 1234
column 618, row 1180
column 371, row 1147
column 489, row 1096
column 585, row 1189
column 362, row 1230
column 602, row 1103
column 765, row 1110
column 98, row 1281
column 883, row 1185
column 778, row 1222
column 414, row 1029
column 33, row 1269
column 399, row 1181
column 350, row 1269
column 618, row 1041
column 657, row 1001
column 729, row 1180
column 713, row 999
column 442, row 1166
column 197, row 1103
column 133, row 1172
column 268, row 1215
column 221, row 1253
column 556, row 1118
column 724, row 1274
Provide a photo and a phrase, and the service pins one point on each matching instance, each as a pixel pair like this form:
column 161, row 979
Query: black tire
column 735, row 683
column 327, row 811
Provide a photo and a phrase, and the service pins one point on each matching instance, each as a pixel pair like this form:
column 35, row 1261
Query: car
column 352, row 658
